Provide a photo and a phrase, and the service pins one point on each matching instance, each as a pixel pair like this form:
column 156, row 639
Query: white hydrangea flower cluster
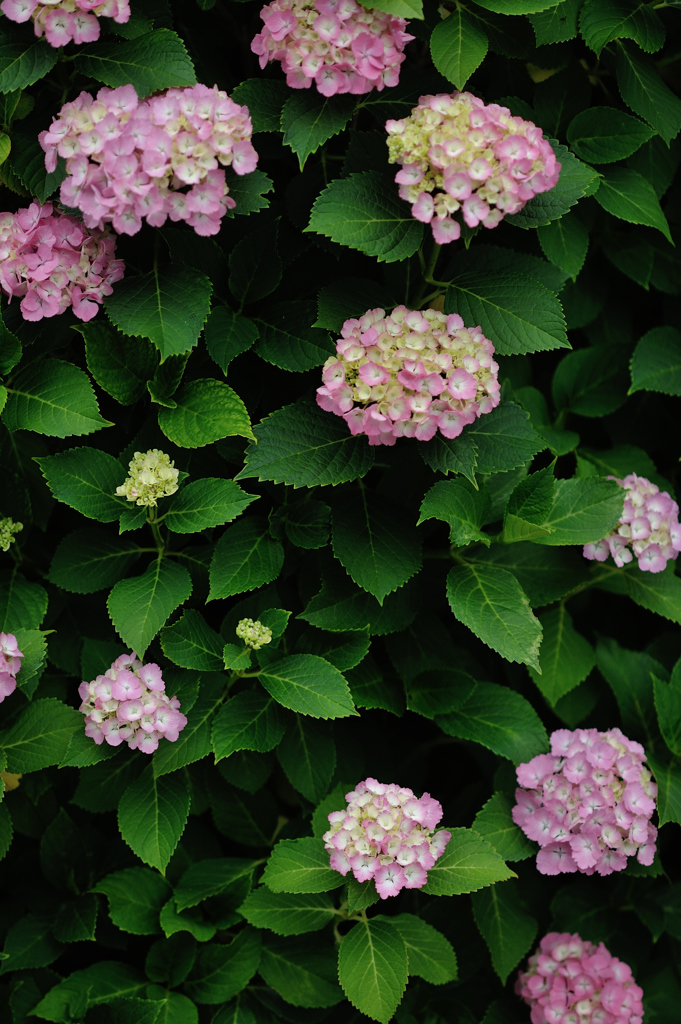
column 151, row 476
column 253, row 633
column 7, row 530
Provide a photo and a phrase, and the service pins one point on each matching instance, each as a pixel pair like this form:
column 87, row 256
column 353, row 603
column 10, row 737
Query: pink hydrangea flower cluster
column 66, row 20
column 129, row 704
column 162, row 157
column 337, row 44
column 385, row 833
column 588, row 803
column 569, row 980
column 462, row 156
column 649, row 527
column 9, row 664
column 409, row 374
column 54, row 262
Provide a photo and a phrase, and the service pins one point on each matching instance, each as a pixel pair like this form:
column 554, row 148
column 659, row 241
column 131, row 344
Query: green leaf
column 491, row 602
column 602, row 21
column 304, row 446
column 264, row 98
column 24, row 62
column 468, row 863
column 566, row 658
column 222, row 971
column 505, row 925
column 659, row 593
column 76, row 921
column 302, row 971
column 136, row 896
column 340, row 606
column 308, row 685
column 342, row 299
column 244, row 558
column 54, row 398
column 248, row 191
column 41, row 735
column 516, row 313
column 249, row 721
column 6, row 830
column 191, row 643
column 438, row 691
column 151, row 62
column 373, row 967
column 656, row 362
column 565, row 242
column 592, row 381
column 343, row 650
column 584, row 510
column 626, row 194
column 601, row 135
column 103, row 982
column 504, row 438
column 576, row 181
column 461, row 505
column 401, row 8
column 171, row 960
column 288, row 341
column 90, row 560
column 206, row 878
column 206, row 411
column 85, row 479
column 300, row 866
column 29, row 944
column 194, row 740
column 120, row 365
column 516, row 6
column 458, row 47
column 363, row 212
column 457, row 456
column 309, row 119
column 287, row 913
column 430, row 954
column 227, row 335
column 152, row 816
column 499, row 719
column 141, row 605
column 254, row 264
column 528, row 506
column 668, row 708
column 22, row 604
column 495, row 824
column 32, row 643
column 168, row 306
column 307, row 753
column 630, row 677
column 10, row 350
column 557, row 25
column 668, row 778
column 205, row 503
column 375, row 542
column 644, row 91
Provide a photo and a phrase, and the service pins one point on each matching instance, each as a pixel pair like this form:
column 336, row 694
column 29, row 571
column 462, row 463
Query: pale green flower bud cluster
column 152, row 476
column 7, row 530
column 253, row 633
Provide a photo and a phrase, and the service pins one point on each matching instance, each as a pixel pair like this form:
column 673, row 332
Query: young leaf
column 54, row 398
column 468, row 863
column 461, row 505
column 302, row 971
column 244, row 558
column 120, row 365
column 566, row 658
column 191, row 643
column 499, row 719
column 287, row 340
column 645, row 92
column 431, row 956
column 40, row 736
column 601, row 135
column 505, row 925
column 152, row 816
column 205, row 411
column 307, row 753
column 227, row 335
column 141, row 605
column 458, row 46
column 249, row 721
column 626, row 194
column 90, row 560
column 151, row 62
column 308, row 685
column 309, row 119
column 136, row 896
column 491, row 602
column 301, row 866
column 495, row 824
column 373, row 967
column 287, row 913
column 656, row 362
column 86, row 479
column 222, row 971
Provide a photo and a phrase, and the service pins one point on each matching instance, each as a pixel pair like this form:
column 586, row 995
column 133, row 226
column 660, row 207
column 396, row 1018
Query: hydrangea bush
column 340, row 646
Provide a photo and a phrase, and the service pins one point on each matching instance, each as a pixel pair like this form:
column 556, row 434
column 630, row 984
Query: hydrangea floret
column 588, row 803
column 53, row 261
column 66, row 20
column 151, row 475
column 253, row 633
column 569, row 980
column 130, row 159
column 386, row 833
column 462, row 158
column 648, row 528
column 409, row 374
column 128, row 704
column 8, row 529
column 337, row 44
column 10, row 664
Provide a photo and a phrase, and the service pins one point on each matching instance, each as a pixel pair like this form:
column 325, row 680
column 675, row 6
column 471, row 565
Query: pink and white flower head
column 462, row 159
column 66, row 20
column 588, row 803
column 409, row 374
column 648, row 528
column 337, row 44
column 129, row 704
column 52, row 261
column 10, row 663
column 386, row 833
column 130, row 160
column 571, row 981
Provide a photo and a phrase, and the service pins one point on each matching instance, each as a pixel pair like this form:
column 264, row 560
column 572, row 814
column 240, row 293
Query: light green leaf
column 136, row 896
column 227, row 335
column 304, row 446
column 656, row 362
column 495, row 824
column 206, row 411
column 469, row 863
column 40, row 737
column 309, row 119
column 287, row 340
column 302, row 971
column 602, row 21
column 85, row 479
column 152, row 816
column 499, row 719
column 401, row 8
column 359, row 211
column 244, row 558
column 141, row 605
column 584, row 510
column 430, row 954
column 626, row 194
column 90, row 560
column 565, row 242
column 52, row 397
column 491, row 602
column 505, row 925
column 458, row 46
column 249, row 721
column 120, row 365
column 191, row 643
column 222, row 971
column 602, row 135
column 644, row 91
column 566, row 658
column 576, row 180
column 151, row 62
column 308, row 685
column 373, row 967
column 300, row 866
column 288, row 913
column 307, row 753
column 461, row 505
column 206, row 878
column 168, row 305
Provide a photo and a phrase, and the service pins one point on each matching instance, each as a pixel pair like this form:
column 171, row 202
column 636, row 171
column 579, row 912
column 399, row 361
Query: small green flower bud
column 7, row 530
column 152, row 476
column 253, row 633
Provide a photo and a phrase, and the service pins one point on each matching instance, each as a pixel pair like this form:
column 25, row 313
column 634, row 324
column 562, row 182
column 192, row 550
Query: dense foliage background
column 433, row 614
